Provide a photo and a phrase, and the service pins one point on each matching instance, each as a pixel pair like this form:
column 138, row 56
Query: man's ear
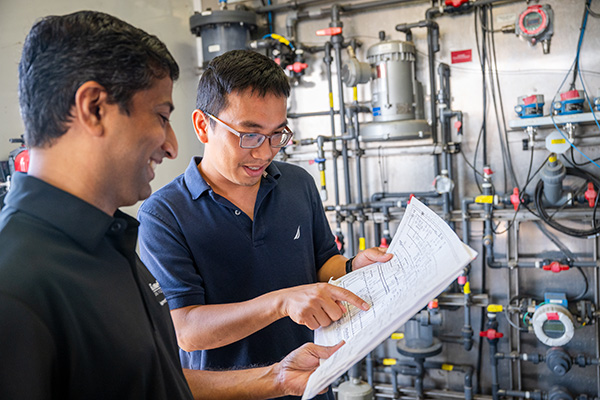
column 200, row 122
column 91, row 107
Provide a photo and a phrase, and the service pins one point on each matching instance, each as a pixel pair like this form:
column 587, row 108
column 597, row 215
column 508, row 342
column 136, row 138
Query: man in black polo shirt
column 82, row 318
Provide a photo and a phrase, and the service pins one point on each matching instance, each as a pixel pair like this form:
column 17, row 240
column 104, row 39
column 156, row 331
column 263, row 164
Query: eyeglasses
column 254, row 140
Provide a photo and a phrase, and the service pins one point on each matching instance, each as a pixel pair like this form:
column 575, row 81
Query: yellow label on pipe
column 489, row 199
column 323, row 179
column 397, row 336
column 355, row 93
column 467, row 288
column 389, row 361
column 558, row 141
column 495, row 308
column 362, row 244
column 552, row 157
column 447, row 367
column 330, row 100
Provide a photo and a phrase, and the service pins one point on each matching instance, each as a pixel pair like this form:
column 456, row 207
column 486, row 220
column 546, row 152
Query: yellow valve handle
column 488, row 199
column 495, row 308
column 280, row 38
column 362, row 244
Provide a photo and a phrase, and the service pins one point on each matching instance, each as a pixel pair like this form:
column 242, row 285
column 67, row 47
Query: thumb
column 324, row 352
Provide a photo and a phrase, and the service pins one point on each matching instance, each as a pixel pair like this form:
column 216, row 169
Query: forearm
column 215, row 325
column 248, row 384
column 334, row 268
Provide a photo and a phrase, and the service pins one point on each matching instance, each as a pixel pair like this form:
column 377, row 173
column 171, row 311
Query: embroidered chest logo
column 157, row 290
column 297, row 233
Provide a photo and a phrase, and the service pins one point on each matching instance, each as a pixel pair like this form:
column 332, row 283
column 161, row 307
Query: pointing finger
column 349, row 297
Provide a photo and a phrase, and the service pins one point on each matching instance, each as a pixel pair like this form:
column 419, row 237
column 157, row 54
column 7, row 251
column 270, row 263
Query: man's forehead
column 160, row 94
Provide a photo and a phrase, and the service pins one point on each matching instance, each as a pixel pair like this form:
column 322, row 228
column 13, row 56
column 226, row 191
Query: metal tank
column 397, row 96
column 222, row 30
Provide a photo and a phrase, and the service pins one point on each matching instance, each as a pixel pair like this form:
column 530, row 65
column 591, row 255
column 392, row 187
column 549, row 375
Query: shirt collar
column 197, row 185
column 78, row 219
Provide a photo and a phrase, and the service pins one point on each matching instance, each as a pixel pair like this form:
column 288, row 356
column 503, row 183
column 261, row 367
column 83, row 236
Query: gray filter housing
column 222, row 30
column 397, row 96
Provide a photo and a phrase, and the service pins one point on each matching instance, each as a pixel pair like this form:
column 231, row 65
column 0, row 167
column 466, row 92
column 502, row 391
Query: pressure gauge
column 535, row 24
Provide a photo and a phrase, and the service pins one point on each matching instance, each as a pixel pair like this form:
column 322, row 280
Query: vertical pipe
column 509, row 286
column 443, row 100
column 597, row 301
column 337, row 41
column 369, row 362
column 420, row 369
column 517, row 229
column 327, row 59
column 494, row 368
column 357, row 160
column 468, row 383
column 483, row 13
column 395, row 384
column 432, row 90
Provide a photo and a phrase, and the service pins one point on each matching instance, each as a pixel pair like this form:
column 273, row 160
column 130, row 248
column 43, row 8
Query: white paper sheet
column 428, row 256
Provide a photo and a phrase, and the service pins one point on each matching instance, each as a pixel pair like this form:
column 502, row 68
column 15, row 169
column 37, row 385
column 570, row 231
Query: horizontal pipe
column 383, row 195
column 311, row 114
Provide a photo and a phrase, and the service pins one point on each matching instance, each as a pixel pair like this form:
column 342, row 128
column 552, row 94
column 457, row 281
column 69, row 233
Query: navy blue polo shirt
column 205, row 250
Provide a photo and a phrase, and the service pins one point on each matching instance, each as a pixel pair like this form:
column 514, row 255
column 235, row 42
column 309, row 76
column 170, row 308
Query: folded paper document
column 428, row 256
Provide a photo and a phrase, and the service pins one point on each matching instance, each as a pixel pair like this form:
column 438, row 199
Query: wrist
column 349, row 265
column 277, row 379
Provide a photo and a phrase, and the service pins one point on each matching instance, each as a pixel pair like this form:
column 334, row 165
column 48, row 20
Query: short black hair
column 237, row 71
column 63, row 52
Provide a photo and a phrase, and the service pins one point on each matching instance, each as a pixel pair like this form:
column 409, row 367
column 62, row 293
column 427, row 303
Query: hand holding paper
column 428, row 256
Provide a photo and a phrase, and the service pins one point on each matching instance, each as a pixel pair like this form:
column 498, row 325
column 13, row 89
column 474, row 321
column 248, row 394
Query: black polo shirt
column 81, row 317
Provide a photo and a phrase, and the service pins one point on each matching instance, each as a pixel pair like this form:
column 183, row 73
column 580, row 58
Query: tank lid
column 391, row 46
column 197, row 21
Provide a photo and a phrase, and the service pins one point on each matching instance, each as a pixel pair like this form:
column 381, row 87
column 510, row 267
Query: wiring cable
column 543, row 214
column 575, row 163
column 511, row 223
column 575, row 67
column 511, row 323
column 503, row 114
column 481, row 138
column 496, row 88
column 592, row 13
column 570, row 258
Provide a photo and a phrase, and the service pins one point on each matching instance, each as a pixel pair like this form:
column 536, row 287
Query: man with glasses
column 239, row 242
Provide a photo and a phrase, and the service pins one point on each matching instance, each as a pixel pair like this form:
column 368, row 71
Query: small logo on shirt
column 157, row 290
column 297, row 233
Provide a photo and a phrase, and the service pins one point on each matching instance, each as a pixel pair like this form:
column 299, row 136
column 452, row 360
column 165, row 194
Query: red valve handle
column 297, row 67
column 555, row 267
column 456, row 3
column 515, row 199
column 491, row 334
column 330, row 31
column 591, row 194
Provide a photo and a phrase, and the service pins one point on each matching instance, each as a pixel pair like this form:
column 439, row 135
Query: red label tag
column 552, row 316
column 461, row 56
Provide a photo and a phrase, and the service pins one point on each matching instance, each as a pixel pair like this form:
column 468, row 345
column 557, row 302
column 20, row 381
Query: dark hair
column 236, row 71
column 63, row 52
